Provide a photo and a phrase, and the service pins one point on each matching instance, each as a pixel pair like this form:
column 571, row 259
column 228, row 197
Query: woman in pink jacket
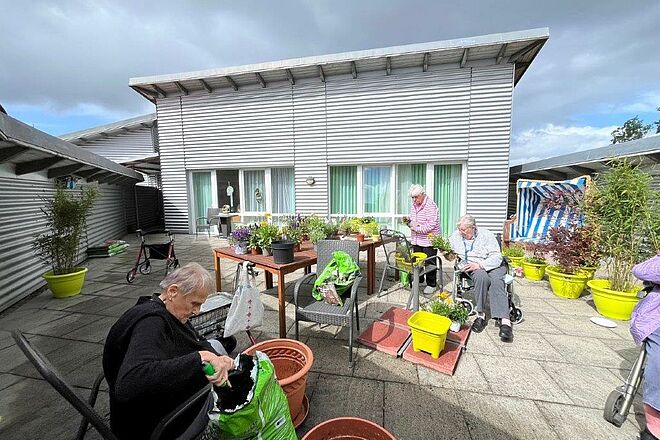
column 423, row 221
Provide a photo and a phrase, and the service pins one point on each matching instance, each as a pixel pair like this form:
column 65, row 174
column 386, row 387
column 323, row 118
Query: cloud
column 554, row 140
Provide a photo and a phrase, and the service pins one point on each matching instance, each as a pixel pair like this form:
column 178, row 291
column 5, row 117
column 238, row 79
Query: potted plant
column 534, row 263
column 514, row 253
column 266, row 234
column 440, row 243
column 372, row 230
column 568, row 247
column 444, row 305
column 253, row 241
column 66, row 218
column 239, row 238
column 625, row 210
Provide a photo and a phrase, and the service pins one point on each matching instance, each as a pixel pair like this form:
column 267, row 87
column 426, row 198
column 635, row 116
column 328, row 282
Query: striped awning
column 534, row 218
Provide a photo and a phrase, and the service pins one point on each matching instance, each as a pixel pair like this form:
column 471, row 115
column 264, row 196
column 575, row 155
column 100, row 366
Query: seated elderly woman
column 153, row 357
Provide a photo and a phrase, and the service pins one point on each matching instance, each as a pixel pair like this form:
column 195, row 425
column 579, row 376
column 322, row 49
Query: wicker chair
column 322, row 312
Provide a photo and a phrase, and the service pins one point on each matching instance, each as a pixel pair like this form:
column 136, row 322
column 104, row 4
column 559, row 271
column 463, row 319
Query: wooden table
column 301, row 260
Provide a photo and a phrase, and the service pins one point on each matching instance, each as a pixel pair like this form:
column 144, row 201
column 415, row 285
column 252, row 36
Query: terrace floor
column 550, row 383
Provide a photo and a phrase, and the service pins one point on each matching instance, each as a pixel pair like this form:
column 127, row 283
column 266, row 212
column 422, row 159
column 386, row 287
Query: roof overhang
column 519, row 48
column 645, row 151
column 119, row 127
column 147, row 165
column 31, row 150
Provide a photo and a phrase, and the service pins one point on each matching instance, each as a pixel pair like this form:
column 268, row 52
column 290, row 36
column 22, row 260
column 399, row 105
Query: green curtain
column 447, row 192
column 343, row 190
column 407, row 175
column 202, row 193
column 377, row 191
column 282, row 184
column 255, row 191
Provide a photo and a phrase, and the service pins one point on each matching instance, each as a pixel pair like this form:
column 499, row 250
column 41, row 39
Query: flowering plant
column 444, row 305
column 239, row 235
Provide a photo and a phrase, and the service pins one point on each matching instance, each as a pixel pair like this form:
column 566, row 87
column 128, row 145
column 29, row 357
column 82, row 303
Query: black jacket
column 151, row 363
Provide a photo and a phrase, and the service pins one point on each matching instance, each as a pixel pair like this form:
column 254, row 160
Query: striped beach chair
column 534, row 218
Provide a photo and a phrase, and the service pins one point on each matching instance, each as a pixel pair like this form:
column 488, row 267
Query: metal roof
column 125, row 125
column 519, row 47
column 568, row 166
column 31, row 150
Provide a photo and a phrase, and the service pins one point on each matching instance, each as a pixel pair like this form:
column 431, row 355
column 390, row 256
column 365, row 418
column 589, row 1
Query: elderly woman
column 153, row 357
column 423, row 221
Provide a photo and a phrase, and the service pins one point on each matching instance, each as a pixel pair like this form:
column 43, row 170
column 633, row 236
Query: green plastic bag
column 341, row 270
column 266, row 416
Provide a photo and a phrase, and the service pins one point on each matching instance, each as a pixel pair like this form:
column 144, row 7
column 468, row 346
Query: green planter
column 611, row 303
column 590, row 270
column 515, row 261
column 64, row 286
column 565, row 285
column 534, row 272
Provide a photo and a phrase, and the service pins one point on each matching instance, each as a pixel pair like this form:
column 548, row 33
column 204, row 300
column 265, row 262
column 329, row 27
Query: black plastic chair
column 86, row 409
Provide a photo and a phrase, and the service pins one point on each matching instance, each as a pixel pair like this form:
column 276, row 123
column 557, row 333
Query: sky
column 65, row 65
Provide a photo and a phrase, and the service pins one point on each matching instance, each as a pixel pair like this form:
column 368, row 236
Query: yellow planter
column 611, row 303
column 516, row 261
column 429, row 332
column 533, row 272
column 590, row 270
column 565, row 285
column 66, row 285
column 401, row 262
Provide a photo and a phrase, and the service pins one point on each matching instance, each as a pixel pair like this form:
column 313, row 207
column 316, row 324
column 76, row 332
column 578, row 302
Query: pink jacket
column 646, row 316
column 425, row 216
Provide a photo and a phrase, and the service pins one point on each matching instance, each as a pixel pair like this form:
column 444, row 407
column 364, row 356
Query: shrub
column 571, row 247
column 513, row 250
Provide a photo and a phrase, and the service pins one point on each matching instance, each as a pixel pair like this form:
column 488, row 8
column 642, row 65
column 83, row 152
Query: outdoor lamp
column 310, row 181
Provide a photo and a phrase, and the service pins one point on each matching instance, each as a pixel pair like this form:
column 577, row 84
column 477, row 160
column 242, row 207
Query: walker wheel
column 130, row 276
column 145, row 269
column 612, row 413
column 516, row 315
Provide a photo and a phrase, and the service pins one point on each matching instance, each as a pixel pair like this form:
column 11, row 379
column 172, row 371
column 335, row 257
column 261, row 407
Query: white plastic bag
column 246, row 311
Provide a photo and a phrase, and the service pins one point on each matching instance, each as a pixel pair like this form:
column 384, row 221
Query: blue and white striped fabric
column 533, row 219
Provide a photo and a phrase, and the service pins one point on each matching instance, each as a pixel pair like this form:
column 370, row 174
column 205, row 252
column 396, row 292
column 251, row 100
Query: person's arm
column 146, row 369
column 493, row 254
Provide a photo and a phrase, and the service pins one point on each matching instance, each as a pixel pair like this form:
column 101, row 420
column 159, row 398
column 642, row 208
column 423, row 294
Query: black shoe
column 479, row 324
column 646, row 435
column 228, row 343
column 506, row 333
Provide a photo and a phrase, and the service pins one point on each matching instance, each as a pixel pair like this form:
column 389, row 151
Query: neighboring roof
column 519, row 47
column 147, row 165
column 32, row 150
column 591, row 161
column 144, row 121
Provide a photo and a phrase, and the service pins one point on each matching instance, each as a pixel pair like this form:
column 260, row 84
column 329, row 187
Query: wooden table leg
column 371, row 269
column 281, row 287
column 269, row 279
column 218, row 275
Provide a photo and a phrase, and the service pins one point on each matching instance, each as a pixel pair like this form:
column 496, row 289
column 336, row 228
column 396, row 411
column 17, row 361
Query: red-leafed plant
column 572, row 247
column 535, row 253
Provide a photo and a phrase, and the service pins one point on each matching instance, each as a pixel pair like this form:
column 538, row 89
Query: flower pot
column 375, row 237
column 360, row 237
column 64, row 286
column 401, row 262
column 292, row 360
column 348, row 428
column 255, row 251
column 516, row 261
column 266, row 251
column 283, row 251
column 534, row 272
column 455, row 326
column 296, row 248
column 565, row 285
column 429, row 332
column 611, row 303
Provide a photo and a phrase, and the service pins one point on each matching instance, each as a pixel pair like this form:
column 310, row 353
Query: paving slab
column 582, row 326
column 331, row 356
column 482, row 343
column 467, row 376
column 64, row 325
column 536, row 322
column 536, row 305
column 527, row 345
column 372, row 364
column 586, row 351
column 27, row 319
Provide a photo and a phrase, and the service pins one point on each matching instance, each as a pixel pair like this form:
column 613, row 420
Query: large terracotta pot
column 348, row 428
column 292, row 360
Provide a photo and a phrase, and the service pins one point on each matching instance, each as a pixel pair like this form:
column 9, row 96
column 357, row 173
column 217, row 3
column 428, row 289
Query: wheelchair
column 463, row 285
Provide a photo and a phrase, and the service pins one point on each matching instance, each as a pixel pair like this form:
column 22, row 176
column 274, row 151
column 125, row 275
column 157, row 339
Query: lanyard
column 468, row 250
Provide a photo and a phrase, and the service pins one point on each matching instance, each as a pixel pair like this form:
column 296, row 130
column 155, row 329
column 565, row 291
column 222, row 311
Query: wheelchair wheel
column 516, row 315
column 145, row 269
column 612, row 413
column 466, row 305
column 130, row 276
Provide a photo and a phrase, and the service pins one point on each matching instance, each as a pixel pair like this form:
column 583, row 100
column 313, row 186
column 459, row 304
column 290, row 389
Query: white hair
column 467, row 220
column 190, row 278
column 416, row 190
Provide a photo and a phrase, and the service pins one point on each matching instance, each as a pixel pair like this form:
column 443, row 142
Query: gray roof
column 568, row 166
column 32, row 150
column 519, row 47
column 109, row 129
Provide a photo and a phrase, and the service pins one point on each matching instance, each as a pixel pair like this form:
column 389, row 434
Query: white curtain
column 377, row 191
column 255, row 191
column 282, row 182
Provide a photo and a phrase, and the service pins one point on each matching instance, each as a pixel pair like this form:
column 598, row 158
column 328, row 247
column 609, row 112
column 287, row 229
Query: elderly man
column 423, row 221
column 480, row 256
column 153, row 357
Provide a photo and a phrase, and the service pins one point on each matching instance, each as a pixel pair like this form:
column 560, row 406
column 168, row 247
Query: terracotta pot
column 255, row 251
column 292, row 360
column 348, row 428
column 360, row 237
column 296, row 248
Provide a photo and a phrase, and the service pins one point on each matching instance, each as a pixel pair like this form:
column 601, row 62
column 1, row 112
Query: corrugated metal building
column 344, row 134
column 31, row 162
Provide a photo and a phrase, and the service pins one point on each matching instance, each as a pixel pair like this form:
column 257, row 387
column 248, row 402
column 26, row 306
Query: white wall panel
column 123, row 147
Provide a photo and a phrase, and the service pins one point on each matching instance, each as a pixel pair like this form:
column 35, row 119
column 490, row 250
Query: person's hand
column 221, row 364
column 471, row 267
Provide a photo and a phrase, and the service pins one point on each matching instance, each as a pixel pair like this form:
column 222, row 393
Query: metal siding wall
column 123, row 147
column 173, row 164
column 21, row 219
column 490, row 130
column 310, row 149
column 400, row 117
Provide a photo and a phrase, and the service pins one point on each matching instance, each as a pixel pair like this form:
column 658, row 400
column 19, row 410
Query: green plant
column 66, row 218
column 253, row 238
column 266, row 234
column 439, row 307
column 514, row 250
column 570, row 247
column 459, row 313
column 317, row 234
column 444, row 305
column 371, row 229
column 403, row 251
column 441, row 243
column 535, row 253
column 625, row 211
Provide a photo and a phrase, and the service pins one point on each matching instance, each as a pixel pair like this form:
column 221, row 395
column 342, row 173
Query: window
column 282, row 189
column 406, row 176
column 202, row 194
column 377, row 192
column 343, row 190
column 255, row 191
column 447, row 191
